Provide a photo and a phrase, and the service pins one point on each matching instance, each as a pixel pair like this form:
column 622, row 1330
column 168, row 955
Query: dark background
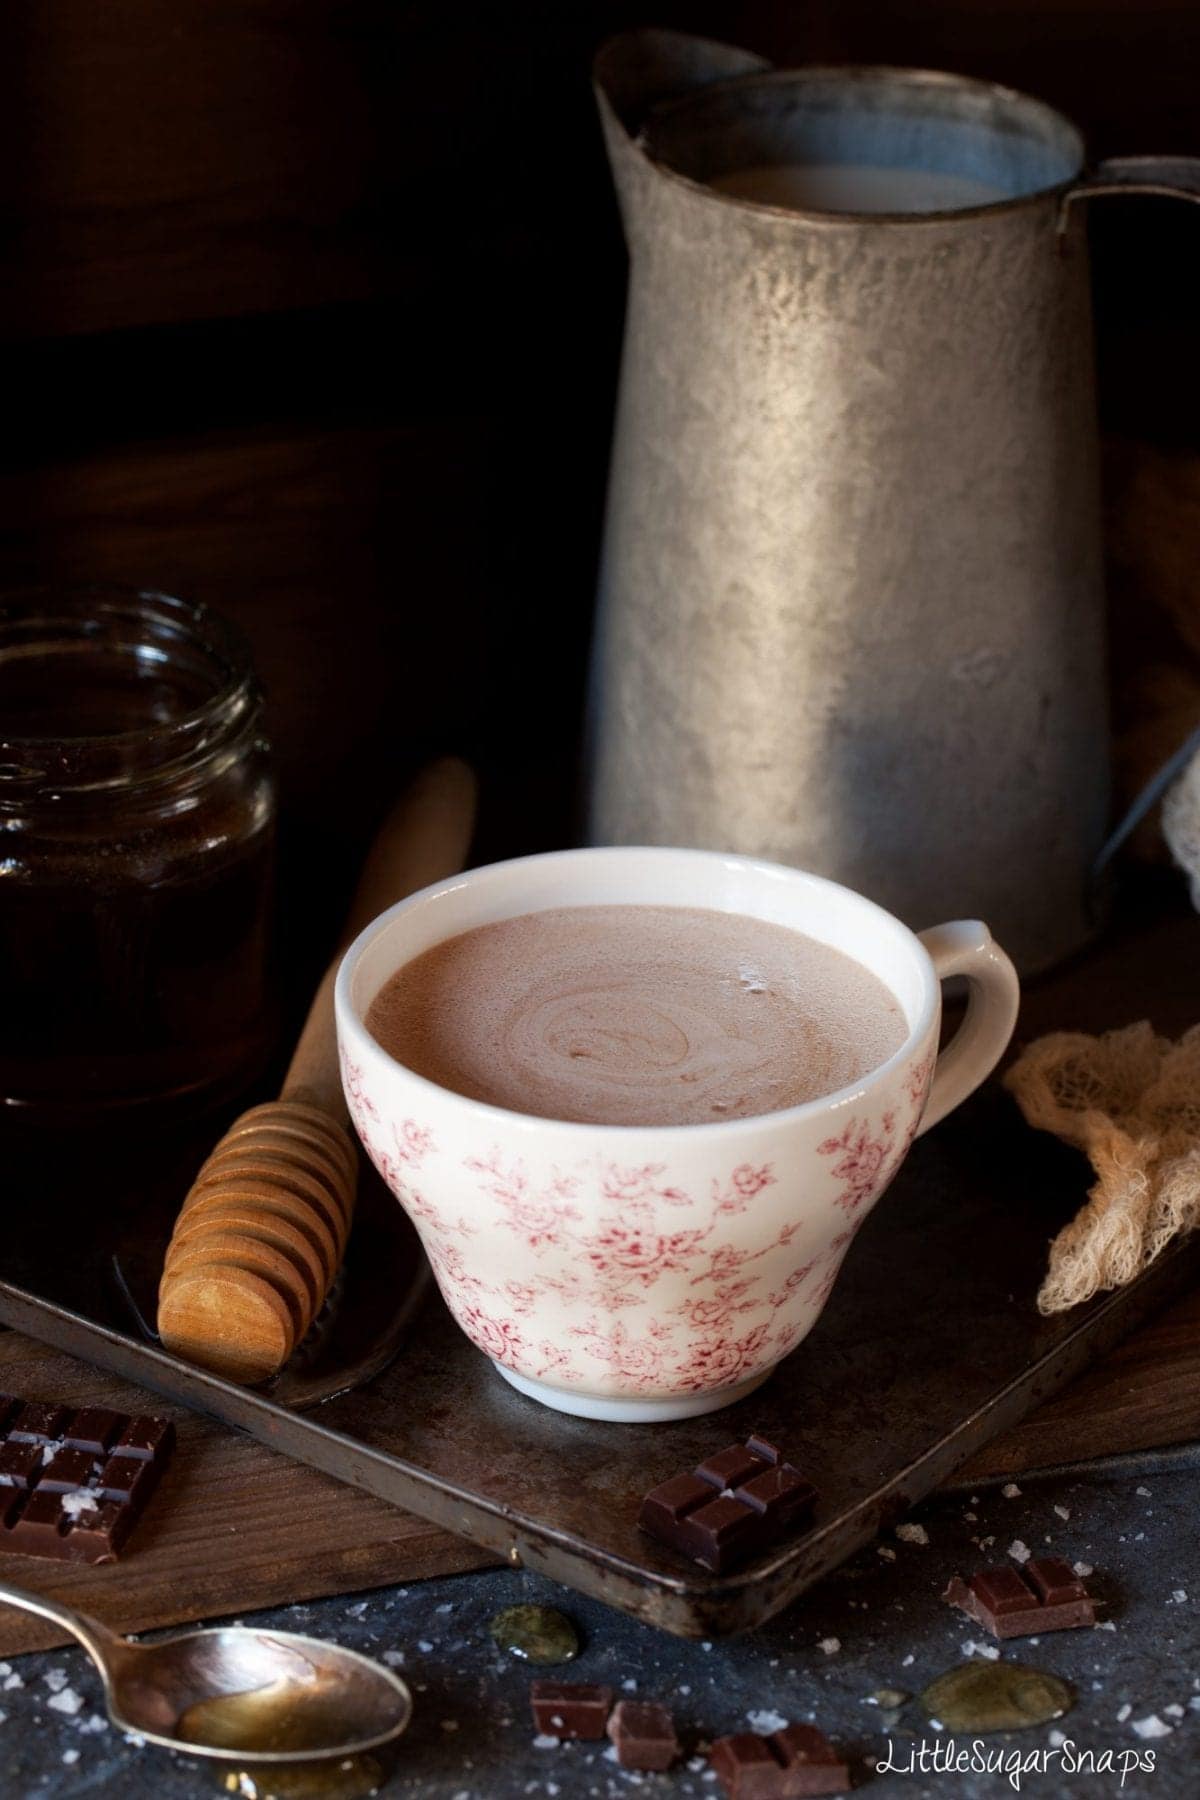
column 312, row 311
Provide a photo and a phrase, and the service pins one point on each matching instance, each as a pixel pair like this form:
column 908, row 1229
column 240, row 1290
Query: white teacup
column 646, row 1273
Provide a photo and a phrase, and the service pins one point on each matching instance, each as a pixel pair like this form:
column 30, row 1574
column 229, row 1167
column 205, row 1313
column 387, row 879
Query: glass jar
column 137, row 823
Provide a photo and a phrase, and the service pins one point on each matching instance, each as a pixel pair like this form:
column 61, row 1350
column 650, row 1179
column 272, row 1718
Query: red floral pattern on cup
column 622, row 1279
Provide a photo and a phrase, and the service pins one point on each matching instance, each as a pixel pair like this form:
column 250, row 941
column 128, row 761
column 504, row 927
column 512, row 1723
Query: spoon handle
column 97, row 1639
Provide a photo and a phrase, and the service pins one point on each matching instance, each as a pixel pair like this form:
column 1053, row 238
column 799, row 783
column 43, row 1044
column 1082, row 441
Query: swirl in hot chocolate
column 637, row 1015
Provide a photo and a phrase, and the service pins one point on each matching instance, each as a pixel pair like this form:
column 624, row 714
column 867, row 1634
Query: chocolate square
column 730, row 1468
column 1054, row 1580
column 20, row 1464
column 570, row 1709
column 644, row 1735
column 65, row 1471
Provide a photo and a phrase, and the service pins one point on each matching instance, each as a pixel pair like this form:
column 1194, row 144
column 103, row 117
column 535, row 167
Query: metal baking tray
column 930, row 1344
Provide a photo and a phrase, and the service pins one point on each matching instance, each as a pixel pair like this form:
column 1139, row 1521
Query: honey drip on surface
column 339, row 1778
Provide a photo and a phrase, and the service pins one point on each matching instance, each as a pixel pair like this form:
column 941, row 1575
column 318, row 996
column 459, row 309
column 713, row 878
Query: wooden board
column 1145, row 1393
column 233, row 1527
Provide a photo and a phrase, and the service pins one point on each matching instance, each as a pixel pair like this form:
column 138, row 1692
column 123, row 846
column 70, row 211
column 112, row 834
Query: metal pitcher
column 851, row 605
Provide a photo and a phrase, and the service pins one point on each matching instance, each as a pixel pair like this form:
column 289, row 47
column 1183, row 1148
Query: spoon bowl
column 244, row 1693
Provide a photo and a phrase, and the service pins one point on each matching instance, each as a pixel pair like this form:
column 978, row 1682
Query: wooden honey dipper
column 262, row 1231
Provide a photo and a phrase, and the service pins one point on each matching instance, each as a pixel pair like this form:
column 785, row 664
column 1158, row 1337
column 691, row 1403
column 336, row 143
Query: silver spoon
column 248, row 1694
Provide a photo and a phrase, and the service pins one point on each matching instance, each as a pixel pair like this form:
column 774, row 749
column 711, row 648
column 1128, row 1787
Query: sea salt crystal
column 1057, row 1738
column 630, row 1684
column 1174, row 1711
column 886, row 1551
column 50, row 1451
column 424, row 1646
column 765, row 1721
column 56, row 1680
column 1064, row 1512
column 357, row 1610
column 1106, row 1625
column 971, row 1648
column 830, row 1645
column 449, row 1724
column 70, row 1756
column 1142, row 1490
column 908, row 1661
column 1179, row 1596
column 14, row 1680
column 77, row 1502
column 1082, row 1569
column 448, row 1607
column 1019, row 1552
column 1152, row 1727
column 93, row 1724
column 394, row 1658
column 543, row 1741
column 1011, row 1491
column 912, row 1534
column 66, row 1701
column 1124, row 1713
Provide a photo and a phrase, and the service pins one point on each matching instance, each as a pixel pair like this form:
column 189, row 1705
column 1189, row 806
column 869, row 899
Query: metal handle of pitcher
column 1176, row 177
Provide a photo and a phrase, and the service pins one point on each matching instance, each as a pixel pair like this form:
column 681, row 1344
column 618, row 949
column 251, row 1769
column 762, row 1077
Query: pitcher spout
column 639, row 70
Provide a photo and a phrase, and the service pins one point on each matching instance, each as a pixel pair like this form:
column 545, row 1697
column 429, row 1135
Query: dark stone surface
column 472, row 1739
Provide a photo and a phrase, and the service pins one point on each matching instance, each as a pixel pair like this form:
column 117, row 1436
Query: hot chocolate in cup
column 656, row 1251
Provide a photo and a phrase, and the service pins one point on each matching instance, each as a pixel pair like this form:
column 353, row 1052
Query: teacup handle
column 967, row 947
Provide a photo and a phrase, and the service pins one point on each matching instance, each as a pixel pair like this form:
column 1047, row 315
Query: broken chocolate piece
column 75, row 1482
column 570, row 1709
column 1044, row 1595
column 792, row 1763
column 735, row 1504
column 643, row 1734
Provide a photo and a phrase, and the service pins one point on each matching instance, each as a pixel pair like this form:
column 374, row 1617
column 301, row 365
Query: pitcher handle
column 1177, row 177
column 967, row 947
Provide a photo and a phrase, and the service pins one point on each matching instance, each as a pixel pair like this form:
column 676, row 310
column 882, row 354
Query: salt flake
column 1152, row 1727
column 912, row 1534
column 830, row 1645
column 66, row 1701
column 1019, row 1552
column 1011, row 1491
column 765, row 1721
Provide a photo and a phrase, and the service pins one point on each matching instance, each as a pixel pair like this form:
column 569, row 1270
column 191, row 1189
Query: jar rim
column 149, row 751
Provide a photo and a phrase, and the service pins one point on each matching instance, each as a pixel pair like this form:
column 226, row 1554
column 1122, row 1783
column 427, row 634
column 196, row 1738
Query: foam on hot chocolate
column 637, row 1015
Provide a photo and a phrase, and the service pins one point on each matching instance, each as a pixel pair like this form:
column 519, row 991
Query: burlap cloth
column 1130, row 1100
